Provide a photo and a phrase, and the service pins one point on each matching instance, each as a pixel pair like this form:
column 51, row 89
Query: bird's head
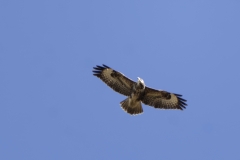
column 141, row 83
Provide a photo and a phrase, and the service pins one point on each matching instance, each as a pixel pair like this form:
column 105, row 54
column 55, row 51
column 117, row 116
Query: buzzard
column 138, row 92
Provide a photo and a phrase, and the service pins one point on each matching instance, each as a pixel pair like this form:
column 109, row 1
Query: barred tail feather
column 131, row 107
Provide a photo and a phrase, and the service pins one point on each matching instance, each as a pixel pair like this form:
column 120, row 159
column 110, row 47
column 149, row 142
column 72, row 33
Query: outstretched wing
column 163, row 99
column 114, row 79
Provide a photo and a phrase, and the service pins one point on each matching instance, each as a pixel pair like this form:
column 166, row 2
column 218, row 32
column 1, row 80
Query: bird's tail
column 131, row 107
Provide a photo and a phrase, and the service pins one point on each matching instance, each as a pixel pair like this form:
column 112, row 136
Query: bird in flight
column 138, row 92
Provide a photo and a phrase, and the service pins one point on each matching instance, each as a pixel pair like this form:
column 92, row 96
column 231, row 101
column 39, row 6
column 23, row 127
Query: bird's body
column 133, row 103
column 137, row 92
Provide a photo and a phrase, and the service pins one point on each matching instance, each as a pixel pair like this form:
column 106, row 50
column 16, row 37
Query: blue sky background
column 52, row 107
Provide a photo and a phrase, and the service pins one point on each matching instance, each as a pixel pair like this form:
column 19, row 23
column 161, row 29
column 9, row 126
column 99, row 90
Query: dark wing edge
column 163, row 99
column 98, row 70
column 114, row 79
column 181, row 102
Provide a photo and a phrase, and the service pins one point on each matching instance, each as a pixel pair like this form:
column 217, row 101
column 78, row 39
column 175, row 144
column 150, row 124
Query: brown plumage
column 137, row 92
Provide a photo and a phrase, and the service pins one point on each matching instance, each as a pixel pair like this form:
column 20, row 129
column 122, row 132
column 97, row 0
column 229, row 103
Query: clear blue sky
column 52, row 107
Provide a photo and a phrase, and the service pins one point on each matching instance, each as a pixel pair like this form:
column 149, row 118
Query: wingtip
column 98, row 67
column 179, row 95
column 97, row 75
column 106, row 66
column 182, row 104
column 98, row 70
